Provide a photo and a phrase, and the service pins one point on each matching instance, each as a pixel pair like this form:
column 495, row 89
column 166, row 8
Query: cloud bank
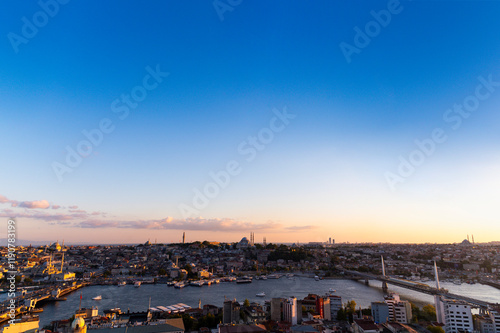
column 71, row 216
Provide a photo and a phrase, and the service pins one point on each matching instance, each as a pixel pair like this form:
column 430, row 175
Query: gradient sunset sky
column 232, row 68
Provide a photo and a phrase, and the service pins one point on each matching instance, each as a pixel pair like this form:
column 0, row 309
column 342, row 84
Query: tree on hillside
column 435, row 329
column 429, row 311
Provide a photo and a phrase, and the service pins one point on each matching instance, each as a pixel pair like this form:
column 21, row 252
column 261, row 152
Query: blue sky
column 323, row 174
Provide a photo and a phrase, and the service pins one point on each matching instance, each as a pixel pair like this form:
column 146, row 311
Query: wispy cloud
column 41, row 204
column 193, row 224
column 71, row 216
column 301, row 228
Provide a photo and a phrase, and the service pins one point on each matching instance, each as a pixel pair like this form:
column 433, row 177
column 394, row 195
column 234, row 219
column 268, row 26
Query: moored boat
column 244, row 279
column 179, row 285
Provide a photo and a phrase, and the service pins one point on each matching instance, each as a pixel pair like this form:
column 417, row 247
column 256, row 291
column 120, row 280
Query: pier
column 26, row 301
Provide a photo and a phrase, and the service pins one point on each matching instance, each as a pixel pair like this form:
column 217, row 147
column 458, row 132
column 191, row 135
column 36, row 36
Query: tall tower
column 183, row 237
column 264, row 242
column 384, row 284
column 438, row 303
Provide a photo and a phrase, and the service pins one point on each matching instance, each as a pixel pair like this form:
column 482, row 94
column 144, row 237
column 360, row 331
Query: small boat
column 36, row 310
column 196, row 283
column 122, row 284
column 244, row 279
column 316, row 278
column 332, row 290
column 262, row 294
column 179, row 285
column 170, row 284
column 263, row 277
column 97, row 298
column 137, row 284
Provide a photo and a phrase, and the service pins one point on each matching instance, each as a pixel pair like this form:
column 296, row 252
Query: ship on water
column 244, row 279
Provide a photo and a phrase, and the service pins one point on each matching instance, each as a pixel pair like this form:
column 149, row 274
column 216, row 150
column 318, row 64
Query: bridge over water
column 419, row 287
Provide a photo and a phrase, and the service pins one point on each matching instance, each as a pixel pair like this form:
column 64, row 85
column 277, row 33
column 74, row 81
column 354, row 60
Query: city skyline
column 367, row 122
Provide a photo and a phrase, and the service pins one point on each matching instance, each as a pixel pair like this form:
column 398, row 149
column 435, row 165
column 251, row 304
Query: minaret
column 473, row 239
column 62, row 263
column 183, row 237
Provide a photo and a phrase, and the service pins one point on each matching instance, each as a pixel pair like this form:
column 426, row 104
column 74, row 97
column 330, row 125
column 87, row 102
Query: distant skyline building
column 184, row 237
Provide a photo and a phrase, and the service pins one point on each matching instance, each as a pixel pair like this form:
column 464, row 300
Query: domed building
column 55, row 247
column 466, row 242
column 78, row 325
column 243, row 244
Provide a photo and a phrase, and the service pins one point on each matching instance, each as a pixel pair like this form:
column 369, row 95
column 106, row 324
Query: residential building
column 458, row 316
column 290, row 310
column 495, row 318
column 380, row 312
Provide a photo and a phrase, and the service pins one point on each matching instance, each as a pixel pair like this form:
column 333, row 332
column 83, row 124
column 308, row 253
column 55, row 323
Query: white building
column 335, row 305
column 290, row 310
column 483, row 324
column 399, row 311
column 495, row 318
column 457, row 316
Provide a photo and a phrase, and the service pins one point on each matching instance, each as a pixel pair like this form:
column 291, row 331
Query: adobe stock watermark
column 454, row 118
column 121, row 107
column 372, row 29
column 30, row 27
column 222, row 6
column 12, row 268
column 249, row 150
